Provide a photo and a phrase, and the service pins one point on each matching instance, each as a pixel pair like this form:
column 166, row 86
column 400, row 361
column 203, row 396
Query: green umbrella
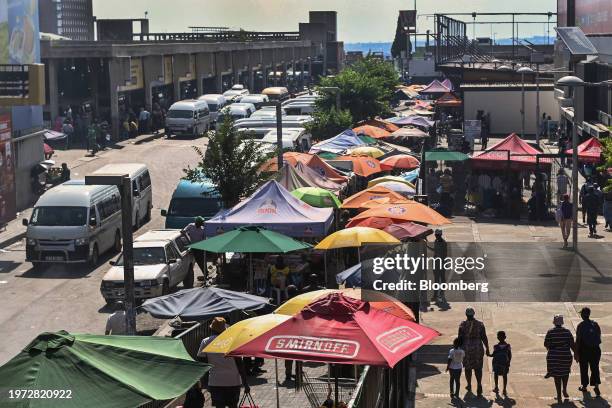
column 249, row 240
column 367, row 139
column 100, row 371
column 327, row 155
column 317, row 197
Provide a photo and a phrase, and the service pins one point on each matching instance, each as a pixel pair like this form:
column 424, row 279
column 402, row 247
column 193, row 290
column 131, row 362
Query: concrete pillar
column 116, row 79
column 94, row 82
column 251, row 79
column 53, row 89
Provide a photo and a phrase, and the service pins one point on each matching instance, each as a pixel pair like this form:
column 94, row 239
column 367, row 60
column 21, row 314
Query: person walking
column 607, row 209
column 116, row 323
column 502, row 356
column 565, row 215
column 590, row 204
column 227, row 374
column 195, row 233
column 92, row 137
column 588, row 351
column 559, row 343
column 440, row 250
column 143, row 121
column 473, row 337
column 454, row 366
column 563, row 185
column 583, row 191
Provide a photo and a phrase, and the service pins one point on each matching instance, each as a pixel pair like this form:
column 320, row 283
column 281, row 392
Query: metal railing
column 222, row 36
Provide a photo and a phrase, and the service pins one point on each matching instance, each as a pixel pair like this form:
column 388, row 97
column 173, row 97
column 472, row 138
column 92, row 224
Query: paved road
column 68, row 297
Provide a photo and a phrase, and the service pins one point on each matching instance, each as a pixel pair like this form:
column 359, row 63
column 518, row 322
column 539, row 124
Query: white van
column 295, row 139
column 74, row 223
column 190, row 117
column 236, row 92
column 256, row 99
column 299, row 108
column 250, row 108
column 236, row 112
column 215, row 102
column 142, row 190
column 299, row 121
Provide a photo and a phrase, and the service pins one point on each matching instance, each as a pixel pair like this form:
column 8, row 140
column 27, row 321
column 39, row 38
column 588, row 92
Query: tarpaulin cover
column 521, row 154
column 100, row 371
column 409, row 132
column 338, row 329
column 589, row 151
column 338, row 144
column 301, row 175
column 203, row 303
column 412, row 120
column 274, row 208
column 381, row 123
column 445, row 155
column 351, row 277
column 435, row 87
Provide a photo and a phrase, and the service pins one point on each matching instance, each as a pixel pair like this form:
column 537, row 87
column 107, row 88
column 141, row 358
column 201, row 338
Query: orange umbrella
column 363, row 165
column 377, row 202
column 380, row 123
column 405, row 211
column 311, row 160
column 372, row 222
column 372, row 193
column 372, row 131
column 402, row 161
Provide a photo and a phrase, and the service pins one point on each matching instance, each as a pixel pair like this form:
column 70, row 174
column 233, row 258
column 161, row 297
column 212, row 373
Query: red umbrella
column 408, row 230
column 372, row 222
column 402, row 161
column 341, row 330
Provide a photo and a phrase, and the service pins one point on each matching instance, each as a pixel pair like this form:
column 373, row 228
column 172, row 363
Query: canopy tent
column 413, row 120
column 274, row 208
column 372, row 131
column 381, row 123
column 435, row 87
column 449, row 84
column 203, row 303
column 589, row 151
column 445, row 155
column 338, row 144
column 301, row 175
column 101, row 371
column 513, row 152
column 356, row 200
column 409, row 132
column 448, row 100
column 312, row 161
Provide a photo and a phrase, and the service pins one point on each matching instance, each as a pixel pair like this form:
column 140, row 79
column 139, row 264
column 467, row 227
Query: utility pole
column 279, row 134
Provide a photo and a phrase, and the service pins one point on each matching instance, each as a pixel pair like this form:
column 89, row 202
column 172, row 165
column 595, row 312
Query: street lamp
column 523, row 71
column 504, row 68
column 574, row 82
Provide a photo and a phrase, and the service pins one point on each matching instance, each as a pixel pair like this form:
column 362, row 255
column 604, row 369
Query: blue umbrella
column 411, row 175
column 203, row 303
column 350, row 277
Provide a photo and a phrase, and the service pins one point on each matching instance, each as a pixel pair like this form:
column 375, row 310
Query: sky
column 358, row 20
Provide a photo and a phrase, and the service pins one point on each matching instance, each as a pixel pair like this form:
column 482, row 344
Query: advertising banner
column 7, row 171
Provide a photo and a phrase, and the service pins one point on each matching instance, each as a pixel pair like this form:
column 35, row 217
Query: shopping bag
column 247, row 401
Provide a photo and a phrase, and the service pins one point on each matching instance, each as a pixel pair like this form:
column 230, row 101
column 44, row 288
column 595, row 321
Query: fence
column 380, row 387
column 223, row 36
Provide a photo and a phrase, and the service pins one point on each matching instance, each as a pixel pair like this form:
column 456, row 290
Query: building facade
column 69, row 18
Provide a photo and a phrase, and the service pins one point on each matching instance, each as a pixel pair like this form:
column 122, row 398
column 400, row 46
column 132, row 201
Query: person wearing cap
column 195, row 233
column 588, row 351
column 473, row 336
column 227, row 374
column 116, row 323
column 559, row 342
column 440, row 250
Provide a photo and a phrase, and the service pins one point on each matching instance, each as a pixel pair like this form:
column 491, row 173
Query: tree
column 607, row 156
column 329, row 123
column 365, row 89
column 232, row 164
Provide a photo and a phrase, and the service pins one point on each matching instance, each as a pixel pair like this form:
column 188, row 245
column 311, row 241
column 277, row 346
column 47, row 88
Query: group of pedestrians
column 144, row 122
column 472, row 344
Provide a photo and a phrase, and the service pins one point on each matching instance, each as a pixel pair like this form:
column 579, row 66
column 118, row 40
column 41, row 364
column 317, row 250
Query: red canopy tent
column 513, row 152
column 589, row 151
column 435, row 87
column 448, row 100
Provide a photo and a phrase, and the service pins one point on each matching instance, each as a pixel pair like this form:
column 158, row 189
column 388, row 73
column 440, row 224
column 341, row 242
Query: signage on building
column 167, row 69
column 472, row 129
column 594, row 16
column 7, row 172
column 136, row 80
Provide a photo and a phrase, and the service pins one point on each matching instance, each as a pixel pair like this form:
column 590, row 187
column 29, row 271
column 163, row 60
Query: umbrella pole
column 250, row 284
column 325, row 266
column 335, row 385
column 276, row 383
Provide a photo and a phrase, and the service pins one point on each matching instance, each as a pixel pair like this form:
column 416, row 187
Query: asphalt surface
column 68, row 297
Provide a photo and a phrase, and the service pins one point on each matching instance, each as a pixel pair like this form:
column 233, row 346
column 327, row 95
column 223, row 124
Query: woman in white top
column 455, row 366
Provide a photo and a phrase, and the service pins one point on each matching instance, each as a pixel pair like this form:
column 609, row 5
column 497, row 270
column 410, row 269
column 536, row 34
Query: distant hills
column 385, row 47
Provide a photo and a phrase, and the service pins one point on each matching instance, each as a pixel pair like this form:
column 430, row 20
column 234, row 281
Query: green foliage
column 607, row 156
column 232, row 164
column 329, row 123
column 365, row 89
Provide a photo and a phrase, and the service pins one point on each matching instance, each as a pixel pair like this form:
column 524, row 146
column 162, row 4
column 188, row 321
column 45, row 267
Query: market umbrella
column 364, row 166
column 350, row 277
column 408, row 230
column 402, row 161
column 409, row 133
column 411, row 175
column 345, row 331
column 407, row 210
column 372, row 222
column 101, row 371
column 399, row 187
column 317, row 197
column 378, row 300
column 371, row 193
column 367, row 151
column 356, row 237
column 385, row 179
column 203, row 303
column 372, row 131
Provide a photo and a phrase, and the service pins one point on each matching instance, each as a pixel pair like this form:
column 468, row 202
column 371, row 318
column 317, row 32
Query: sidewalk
column 75, row 158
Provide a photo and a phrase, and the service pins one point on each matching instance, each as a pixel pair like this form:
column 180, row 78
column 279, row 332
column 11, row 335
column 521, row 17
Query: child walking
column 502, row 355
column 455, row 366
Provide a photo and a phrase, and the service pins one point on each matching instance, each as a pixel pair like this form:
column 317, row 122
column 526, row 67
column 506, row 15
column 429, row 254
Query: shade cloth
column 408, row 132
column 445, row 155
column 414, row 120
column 512, row 152
column 274, row 208
column 338, row 144
column 203, row 303
column 589, row 151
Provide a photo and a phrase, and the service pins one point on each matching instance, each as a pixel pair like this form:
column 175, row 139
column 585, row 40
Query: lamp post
column 279, row 130
column 574, row 82
column 523, row 71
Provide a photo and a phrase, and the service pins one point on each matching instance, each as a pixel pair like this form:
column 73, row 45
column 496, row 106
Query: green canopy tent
column 251, row 240
column 317, row 197
column 100, row 371
column 440, row 155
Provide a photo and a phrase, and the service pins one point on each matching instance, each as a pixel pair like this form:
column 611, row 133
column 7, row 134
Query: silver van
column 256, row 99
column 299, row 108
column 74, row 223
column 215, row 102
column 142, row 190
column 289, row 121
column 190, row 117
column 236, row 112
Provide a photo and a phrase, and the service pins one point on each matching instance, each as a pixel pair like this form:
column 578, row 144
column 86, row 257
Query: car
column 162, row 260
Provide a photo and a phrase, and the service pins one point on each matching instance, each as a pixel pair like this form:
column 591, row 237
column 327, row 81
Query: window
column 144, row 180
column 172, row 254
column 180, row 114
column 146, row 256
column 182, row 242
column 109, row 206
column 59, row 216
column 193, row 207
